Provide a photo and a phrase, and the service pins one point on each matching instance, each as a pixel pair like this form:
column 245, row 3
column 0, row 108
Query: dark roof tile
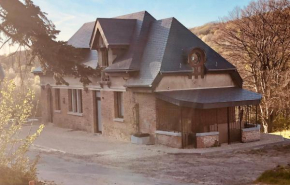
column 211, row 98
column 117, row 31
column 81, row 39
column 154, row 46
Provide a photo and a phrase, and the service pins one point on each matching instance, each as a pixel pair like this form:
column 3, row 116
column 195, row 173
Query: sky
column 69, row 15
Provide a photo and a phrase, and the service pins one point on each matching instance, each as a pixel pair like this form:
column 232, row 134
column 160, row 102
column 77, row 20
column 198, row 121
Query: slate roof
column 154, row 46
column 81, row 38
column 117, row 31
column 90, row 58
column 211, row 98
column 131, row 60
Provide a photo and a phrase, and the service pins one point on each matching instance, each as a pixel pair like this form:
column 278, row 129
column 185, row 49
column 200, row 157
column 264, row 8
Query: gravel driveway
column 79, row 158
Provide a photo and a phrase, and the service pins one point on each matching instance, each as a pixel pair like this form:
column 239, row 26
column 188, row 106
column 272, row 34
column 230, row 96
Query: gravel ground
column 78, row 158
column 232, row 168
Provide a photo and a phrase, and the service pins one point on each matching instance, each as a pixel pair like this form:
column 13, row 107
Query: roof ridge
column 166, row 18
column 144, row 11
column 100, row 18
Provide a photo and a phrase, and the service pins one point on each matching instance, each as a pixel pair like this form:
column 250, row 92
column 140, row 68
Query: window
column 196, row 57
column 75, row 100
column 105, row 59
column 119, row 107
column 57, row 99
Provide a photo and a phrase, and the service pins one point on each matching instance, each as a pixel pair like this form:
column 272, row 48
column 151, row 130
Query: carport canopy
column 211, row 98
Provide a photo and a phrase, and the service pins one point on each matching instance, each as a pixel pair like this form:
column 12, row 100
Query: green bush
column 15, row 108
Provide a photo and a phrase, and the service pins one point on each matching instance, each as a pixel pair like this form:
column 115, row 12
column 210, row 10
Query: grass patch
column 284, row 133
column 278, row 176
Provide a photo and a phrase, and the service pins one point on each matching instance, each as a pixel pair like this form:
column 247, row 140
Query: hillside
column 208, row 33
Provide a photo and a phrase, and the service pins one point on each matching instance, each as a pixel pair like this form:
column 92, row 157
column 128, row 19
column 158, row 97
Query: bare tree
column 257, row 39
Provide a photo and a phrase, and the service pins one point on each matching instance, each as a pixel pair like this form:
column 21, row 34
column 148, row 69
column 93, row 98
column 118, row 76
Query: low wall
column 251, row 134
column 206, row 139
column 171, row 139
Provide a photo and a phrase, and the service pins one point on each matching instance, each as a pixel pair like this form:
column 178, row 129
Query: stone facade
column 206, row 140
column 138, row 108
column 76, row 121
column 121, row 129
column 173, row 140
column 251, row 134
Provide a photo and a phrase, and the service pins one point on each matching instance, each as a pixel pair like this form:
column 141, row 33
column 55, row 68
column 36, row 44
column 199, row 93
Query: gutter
column 148, row 86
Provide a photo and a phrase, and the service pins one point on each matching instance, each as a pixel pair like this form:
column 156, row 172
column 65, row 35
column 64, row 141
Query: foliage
column 279, row 176
column 15, row 108
column 34, row 31
column 281, row 123
column 283, row 133
column 15, row 68
column 257, row 40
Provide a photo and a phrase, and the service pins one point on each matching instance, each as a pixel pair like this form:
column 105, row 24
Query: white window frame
column 75, row 104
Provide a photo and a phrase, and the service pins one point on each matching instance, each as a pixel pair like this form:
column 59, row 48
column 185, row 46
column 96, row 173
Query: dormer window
column 105, row 57
column 196, row 59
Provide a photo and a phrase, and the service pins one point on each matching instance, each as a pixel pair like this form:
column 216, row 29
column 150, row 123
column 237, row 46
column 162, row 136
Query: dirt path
column 71, row 170
column 79, row 158
column 235, row 168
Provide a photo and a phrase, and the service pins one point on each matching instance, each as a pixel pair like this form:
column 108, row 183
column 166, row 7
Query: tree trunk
column 265, row 126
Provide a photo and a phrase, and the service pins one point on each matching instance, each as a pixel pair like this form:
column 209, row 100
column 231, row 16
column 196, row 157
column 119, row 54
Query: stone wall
column 147, row 113
column 207, row 139
column 122, row 129
column 251, row 134
column 64, row 118
column 172, row 140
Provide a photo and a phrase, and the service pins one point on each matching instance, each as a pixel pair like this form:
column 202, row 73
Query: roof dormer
column 111, row 38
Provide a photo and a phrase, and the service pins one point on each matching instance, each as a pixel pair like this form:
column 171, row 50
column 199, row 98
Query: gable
column 114, row 32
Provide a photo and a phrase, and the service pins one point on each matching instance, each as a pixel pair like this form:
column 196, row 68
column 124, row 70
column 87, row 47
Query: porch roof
column 211, row 98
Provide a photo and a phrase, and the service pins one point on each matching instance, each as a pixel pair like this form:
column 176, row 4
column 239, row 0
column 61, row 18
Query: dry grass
column 279, row 176
column 284, row 133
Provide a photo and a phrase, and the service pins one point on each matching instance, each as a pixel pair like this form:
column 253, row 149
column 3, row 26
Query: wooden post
column 228, row 120
column 240, row 120
column 182, row 129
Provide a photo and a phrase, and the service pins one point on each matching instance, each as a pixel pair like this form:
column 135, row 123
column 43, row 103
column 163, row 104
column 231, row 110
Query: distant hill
column 208, row 33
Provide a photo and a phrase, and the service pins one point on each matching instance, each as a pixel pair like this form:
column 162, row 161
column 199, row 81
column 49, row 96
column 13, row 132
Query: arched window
column 196, row 59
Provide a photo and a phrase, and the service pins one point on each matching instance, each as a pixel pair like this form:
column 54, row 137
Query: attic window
column 105, row 60
column 196, row 57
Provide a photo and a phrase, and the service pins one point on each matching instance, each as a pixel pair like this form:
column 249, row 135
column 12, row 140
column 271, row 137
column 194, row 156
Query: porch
column 207, row 117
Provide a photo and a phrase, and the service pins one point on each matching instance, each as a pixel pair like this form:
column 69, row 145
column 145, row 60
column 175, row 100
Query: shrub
column 279, row 176
column 15, row 108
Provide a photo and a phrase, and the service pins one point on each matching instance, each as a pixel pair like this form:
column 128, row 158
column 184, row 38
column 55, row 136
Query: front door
column 98, row 112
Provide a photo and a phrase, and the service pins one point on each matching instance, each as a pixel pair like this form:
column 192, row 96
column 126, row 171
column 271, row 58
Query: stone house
column 158, row 78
